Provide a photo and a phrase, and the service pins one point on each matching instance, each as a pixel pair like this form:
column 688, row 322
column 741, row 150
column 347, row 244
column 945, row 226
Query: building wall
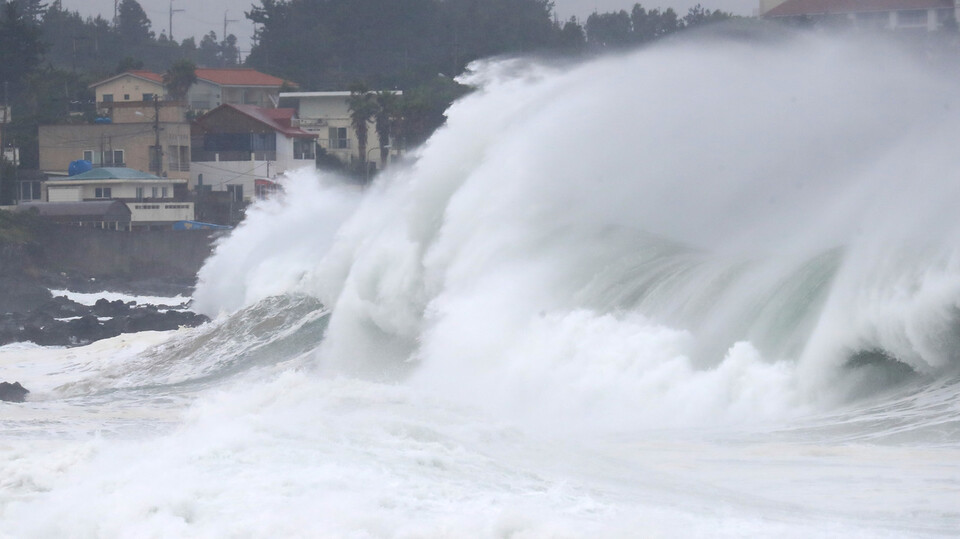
column 136, row 254
column 61, row 144
column 153, row 212
column 57, row 192
column 128, row 88
column 219, row 175
column 204, row 95
column 64, row 194
column 140, row 112
column 319, row 113
column 248, row 95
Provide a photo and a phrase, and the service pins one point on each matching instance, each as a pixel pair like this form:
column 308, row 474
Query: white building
column 241, row 149
column 153, row 201
column 900, row 15
column 327, row 114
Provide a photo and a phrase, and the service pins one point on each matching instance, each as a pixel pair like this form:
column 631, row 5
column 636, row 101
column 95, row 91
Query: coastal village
column 149, row 162
column 156, row 153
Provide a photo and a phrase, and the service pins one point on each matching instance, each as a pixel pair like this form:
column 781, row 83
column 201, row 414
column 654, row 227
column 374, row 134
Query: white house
column 901, row 15
column 153, row 201
column 327, row 114
column 241, row 149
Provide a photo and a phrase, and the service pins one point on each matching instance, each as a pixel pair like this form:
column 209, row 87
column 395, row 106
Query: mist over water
column 711, row 285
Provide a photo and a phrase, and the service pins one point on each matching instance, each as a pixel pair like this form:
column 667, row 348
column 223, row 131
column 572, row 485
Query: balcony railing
column 233, row 155
column 335, row 144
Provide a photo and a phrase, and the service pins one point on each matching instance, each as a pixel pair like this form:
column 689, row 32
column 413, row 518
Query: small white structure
column 900, row 15
column 241, row 149
column 152, row 200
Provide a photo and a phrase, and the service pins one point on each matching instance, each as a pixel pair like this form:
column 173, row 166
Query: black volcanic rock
column 12, row 392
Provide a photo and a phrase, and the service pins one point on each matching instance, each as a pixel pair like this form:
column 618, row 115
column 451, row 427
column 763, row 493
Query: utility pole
column 225, row 21
column 172, row 11
column 156, row 132
column 115, row 21
column 3, row 121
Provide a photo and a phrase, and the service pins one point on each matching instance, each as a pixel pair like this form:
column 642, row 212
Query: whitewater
column 705, row 288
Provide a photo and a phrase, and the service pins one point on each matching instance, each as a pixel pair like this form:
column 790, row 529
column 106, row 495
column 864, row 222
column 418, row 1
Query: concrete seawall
column 133, row 255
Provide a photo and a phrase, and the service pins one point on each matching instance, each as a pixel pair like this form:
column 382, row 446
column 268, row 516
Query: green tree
column 362, row 105
column 208, row 53
column 697, row 16
column 229, row 51
column 132, row 23
column 21, row 48
column 384, row 117
column 571, row 38
column 179, row 78
column 606, row 30
column 129, row 63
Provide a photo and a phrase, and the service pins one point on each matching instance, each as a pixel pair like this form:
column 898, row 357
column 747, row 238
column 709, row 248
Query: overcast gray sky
column 201, row 16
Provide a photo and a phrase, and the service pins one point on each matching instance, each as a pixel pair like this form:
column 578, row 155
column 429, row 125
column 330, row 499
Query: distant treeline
column 330, row 44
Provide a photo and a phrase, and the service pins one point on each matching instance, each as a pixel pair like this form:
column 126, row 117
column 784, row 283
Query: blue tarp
column 197, row 225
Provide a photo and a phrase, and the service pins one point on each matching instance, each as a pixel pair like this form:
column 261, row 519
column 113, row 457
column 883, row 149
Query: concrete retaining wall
column 133, row 255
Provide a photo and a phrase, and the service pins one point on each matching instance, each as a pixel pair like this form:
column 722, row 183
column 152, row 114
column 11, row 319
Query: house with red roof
column 904, row 15
column 235, row 86
column 241, row 149
column 214, row 87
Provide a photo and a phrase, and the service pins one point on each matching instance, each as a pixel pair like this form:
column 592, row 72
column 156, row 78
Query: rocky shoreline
column 64, row 322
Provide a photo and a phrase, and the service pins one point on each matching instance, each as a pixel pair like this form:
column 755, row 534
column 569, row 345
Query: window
column 108, row 98
column 126, row 97
column 178, row 158
column 102, row 192
column 236, row 192
column 303, row 148
column 30, row 191
column 148, row 97
column 163, row 192
column 109, row 158
column 139, row 193
column 154, row 191
column 338, row 138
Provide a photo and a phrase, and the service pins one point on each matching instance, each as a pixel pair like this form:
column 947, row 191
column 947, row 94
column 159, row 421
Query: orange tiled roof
column 234, row 76
column 147, row 75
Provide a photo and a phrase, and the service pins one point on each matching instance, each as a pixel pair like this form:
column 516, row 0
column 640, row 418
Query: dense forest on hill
column 49, row 55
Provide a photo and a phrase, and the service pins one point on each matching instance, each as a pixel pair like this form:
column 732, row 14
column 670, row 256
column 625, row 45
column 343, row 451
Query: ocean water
column 709, row 288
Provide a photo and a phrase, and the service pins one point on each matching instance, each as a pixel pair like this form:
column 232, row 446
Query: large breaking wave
column 707, row 230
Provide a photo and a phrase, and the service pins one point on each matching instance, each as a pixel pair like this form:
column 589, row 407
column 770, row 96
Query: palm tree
column 179, row 78
column 362, row 107
column 387, row 104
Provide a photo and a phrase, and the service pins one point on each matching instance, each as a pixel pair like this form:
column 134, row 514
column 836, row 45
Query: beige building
column 128, row 145
column 129, row 86
column 327, row 114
